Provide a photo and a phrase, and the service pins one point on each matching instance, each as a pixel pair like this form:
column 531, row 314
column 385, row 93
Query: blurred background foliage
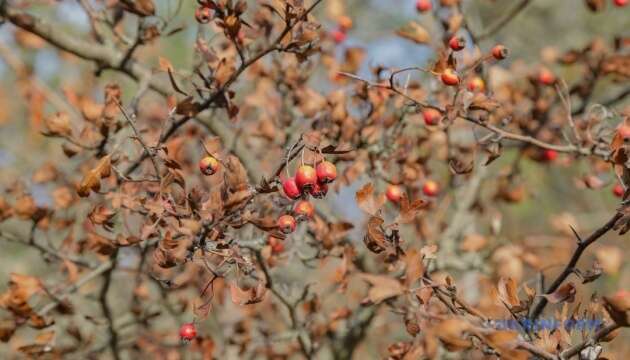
column 544, row 30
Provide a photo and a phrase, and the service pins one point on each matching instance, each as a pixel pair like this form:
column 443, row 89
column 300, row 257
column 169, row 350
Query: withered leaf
column 414, row 32
column 336, row 150
column 100, row 244
column 507, row 292
column 249, row 296
column 408, row 211
column 7, row 328
column 235, row 174
column 382, row 288
column 100, row 215
column 414, row 268
column 375, row 237
column 188, row 107
column 564, row 293
column 92, row 180
column 164, row 255
column 58, row 125
column 591, row 274
column 367, row 201
column 459, row 167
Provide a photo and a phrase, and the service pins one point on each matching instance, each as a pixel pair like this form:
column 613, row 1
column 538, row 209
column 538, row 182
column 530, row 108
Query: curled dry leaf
column 7, row 329
column 451, row 334
column 414, row 268
column 591, row 274
column 367, row 201
column 164, row 255
column 508, row 292
column 564, row 293
column 248, row 296
column 235, row 174
column 58, row 125
column 92, row 180
column 381, row 288
column 100, row 215
column 375, row 237
column 408, row 211
column 414, row 32
column 473, row 243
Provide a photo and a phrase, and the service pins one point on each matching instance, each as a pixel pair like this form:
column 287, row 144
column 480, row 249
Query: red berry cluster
column 307, row 181
column 344, row 24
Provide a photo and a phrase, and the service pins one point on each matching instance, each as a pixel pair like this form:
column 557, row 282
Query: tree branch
column 573, row 262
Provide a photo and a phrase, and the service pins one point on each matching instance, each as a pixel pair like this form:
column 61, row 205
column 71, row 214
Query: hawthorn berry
column 209, row 165
column 431, row 116
column 303, row 209
column 476, row 84
column 305, row 178
column 345, row 23
column 276, row 244
column 624, row 132
column 338, row 36
column 394, row 193
column 319, row 190
column 203, row 14
column 290, row 188
column 546, row 77
column 430, row 188
column 450, row 78
column 187, row 332
column 618, row 190
column 423, row 5
column 326, row 172
column 457, row 43
column 286, row 224
column 500, row 52
column 550, row 155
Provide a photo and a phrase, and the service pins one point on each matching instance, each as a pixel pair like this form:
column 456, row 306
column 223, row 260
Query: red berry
column 394, row 193
column 203, row 14
column 423, row 5
column 208, row 165
column 291, row 189
column 345, row 23
column 546, row 77
column 277, row 246
column 430, row 188
column 431, row 116
column 305, row 178
column 476, row 84
column 187, row 332
column 286, row 224
column 624, row 131
column 500, row 52
column 621, row 3
column 319, row 190
column 303, row 209
column 550, row 155
column 326, row 172
column 450, row 78
column 338, row 36
column 618, row 190
column 457, row 43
